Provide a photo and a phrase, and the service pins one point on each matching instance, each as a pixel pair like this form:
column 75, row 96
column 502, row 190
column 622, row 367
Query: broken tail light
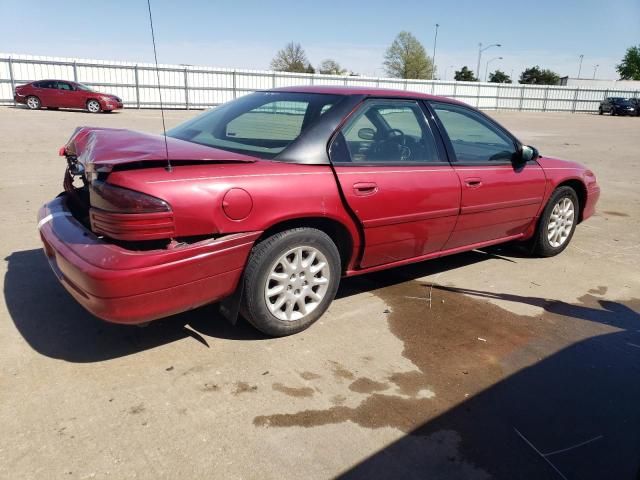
column 124, row 214
column 114, row 199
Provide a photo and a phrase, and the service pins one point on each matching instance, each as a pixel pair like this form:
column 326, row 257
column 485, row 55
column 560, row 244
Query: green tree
column 407, row 58
column 536, row 75
column 292, row 58
column 629, row 69
column 499, row 77
column 309, row 69
column 465, row 75
column 331, row 67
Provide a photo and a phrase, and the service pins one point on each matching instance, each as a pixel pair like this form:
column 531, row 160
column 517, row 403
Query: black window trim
column 449, row 146
column 440, row 146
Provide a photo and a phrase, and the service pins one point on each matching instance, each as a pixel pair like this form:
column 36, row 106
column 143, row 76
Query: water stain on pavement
column 244, row 387
column 615, row 214
column 297, row 392
column 460, row 345
column 367, row 385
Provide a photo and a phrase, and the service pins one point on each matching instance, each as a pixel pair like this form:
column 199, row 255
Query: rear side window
column 261, row 123
column 45, row 84
column 271, row 121
column 474, row 138
column 386, row 132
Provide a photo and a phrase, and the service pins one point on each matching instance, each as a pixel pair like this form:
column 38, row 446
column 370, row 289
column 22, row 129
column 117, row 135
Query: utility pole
column 580, row 66
column 480, row 50
column 435, row 41
column 595, row 69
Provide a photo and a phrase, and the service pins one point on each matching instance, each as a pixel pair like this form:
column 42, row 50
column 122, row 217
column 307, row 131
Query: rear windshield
column 262, row 124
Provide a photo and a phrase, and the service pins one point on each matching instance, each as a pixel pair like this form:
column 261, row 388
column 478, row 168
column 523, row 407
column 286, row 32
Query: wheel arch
column 336, row 230
column 580, row 188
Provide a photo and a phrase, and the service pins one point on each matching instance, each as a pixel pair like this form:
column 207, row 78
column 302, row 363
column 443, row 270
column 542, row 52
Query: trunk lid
column 105, row 148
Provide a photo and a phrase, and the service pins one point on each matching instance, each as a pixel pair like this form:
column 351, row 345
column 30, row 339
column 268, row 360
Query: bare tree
column 292, row 58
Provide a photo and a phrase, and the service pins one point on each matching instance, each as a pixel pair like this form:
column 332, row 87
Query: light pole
column 435, row 41
column 480, row 50
column 447, row 69
column 595, row 69
column 580, row 66
column 486, row 68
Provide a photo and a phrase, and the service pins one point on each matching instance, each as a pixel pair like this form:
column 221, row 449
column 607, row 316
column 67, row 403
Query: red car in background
column 65, row 94
column 267, row 201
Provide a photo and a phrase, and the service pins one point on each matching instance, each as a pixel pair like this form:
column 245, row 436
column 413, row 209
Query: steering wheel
column 394, row 144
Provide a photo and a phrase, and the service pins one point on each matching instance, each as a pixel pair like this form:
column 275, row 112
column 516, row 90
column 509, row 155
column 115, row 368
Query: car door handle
column 365, row 188
column 473, row 182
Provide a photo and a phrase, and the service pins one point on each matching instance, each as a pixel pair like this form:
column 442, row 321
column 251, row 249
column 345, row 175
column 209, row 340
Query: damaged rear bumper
column 126, row 286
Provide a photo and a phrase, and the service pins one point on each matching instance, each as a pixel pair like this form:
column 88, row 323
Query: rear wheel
column 33, row 102
column 93, row 106
column 290, row 280
column 557, row 224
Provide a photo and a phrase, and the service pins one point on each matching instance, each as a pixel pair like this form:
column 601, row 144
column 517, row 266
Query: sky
column 248, row 33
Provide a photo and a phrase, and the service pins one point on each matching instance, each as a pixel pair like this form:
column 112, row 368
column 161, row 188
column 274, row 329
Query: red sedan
column 264, row 203
column 64, row 94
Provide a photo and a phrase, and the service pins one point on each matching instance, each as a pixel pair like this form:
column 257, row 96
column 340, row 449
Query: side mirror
column 366, row 133
column 528, row 153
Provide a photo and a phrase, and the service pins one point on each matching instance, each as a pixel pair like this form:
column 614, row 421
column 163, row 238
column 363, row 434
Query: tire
column 33, row 102
column 93, row 106
column 273, row 263
column 600, row 112
column 563, row 204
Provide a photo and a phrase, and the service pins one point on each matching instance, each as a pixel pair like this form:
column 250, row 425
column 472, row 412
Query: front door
column 68, row 97
column 500, row 198
column 396, row 179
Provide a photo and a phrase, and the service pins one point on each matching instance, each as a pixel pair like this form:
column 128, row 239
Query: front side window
column 474, row 138
column 261, row 124
column 386, row 131
column 83, row 87
column 64, row 86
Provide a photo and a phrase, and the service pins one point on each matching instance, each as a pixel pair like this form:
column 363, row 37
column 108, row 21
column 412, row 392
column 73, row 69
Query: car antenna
column 155, row 56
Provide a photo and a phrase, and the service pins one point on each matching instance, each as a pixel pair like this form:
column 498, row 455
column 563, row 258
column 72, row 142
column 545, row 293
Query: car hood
column 104, row 148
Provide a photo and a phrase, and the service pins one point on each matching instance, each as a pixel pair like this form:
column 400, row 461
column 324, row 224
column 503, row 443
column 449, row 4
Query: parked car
column 267, row 201
column 617, row 106
column 65, row 94
column 636, row 104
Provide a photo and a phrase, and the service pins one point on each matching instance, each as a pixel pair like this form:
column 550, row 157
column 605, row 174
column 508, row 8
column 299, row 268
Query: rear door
column 47, row 93
column 395, row 177
column 499, row 198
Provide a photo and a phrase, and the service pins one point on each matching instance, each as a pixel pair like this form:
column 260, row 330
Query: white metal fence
column 196, row 87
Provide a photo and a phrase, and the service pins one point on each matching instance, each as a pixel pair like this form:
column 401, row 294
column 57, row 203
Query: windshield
column 80, row 86
column 262, row 124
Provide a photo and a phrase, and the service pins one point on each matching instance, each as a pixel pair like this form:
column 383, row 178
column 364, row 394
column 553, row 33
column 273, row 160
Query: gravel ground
column 487, row 364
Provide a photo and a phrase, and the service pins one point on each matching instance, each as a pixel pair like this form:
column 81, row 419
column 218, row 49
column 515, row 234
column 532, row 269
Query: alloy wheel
column 560, row 222
column 93, row 106
column 297, row 283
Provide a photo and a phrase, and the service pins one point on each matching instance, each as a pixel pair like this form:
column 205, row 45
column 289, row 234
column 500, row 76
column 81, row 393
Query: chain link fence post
column 137, row 86
column 186, row 88
column 234, row 85
column 12, row 80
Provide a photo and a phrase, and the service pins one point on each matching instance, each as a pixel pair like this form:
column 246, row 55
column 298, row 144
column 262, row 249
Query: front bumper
column 127, row 286
column 593, row 194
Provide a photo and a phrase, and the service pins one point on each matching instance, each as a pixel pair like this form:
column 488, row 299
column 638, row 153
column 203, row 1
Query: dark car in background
column 636, row 103
column 65, row 94
column 617, row 106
